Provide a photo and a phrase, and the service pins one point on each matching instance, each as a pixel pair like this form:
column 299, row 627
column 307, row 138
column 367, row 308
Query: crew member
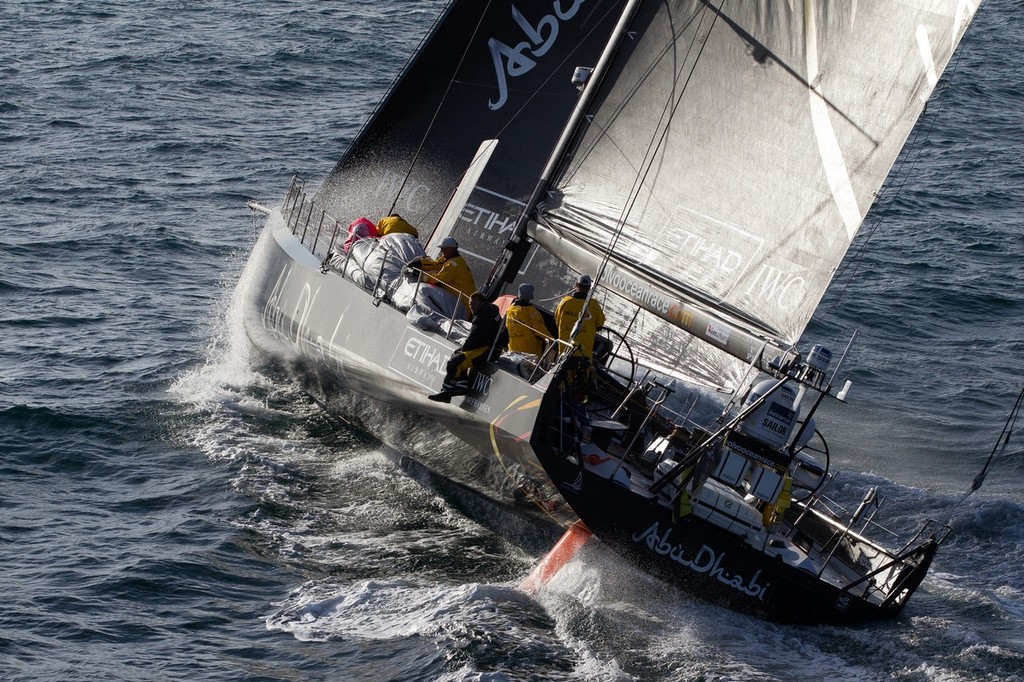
column 449, row 271
column 526, row 330
column 486, row 323
column 570, row 311
column 395, row 224
column 575, row 314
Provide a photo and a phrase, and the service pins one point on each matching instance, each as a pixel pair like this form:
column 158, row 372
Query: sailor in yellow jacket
column 450, row 271
column 579, row 369
column 395, row 224
column 570, row 310
column 526, row 330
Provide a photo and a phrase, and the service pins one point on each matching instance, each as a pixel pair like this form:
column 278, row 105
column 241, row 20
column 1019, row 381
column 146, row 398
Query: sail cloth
column 733, row 149
column 489, row 69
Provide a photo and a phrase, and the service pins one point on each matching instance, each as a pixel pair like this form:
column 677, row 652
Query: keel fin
column 564, row 550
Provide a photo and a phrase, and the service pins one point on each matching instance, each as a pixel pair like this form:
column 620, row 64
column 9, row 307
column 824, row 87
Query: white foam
column 228, row 367
column 390, row 609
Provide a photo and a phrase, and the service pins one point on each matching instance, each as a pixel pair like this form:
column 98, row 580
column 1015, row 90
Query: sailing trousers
column 460, row 364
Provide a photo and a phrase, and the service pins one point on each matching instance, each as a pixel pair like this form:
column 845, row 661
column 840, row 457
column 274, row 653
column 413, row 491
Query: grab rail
column 307, row 222
column 300, row 213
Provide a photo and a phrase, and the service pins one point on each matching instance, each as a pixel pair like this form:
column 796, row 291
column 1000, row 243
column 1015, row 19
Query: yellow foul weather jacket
column 394, row 224
column 526, row 330
column 569, row 310
column 453, row 274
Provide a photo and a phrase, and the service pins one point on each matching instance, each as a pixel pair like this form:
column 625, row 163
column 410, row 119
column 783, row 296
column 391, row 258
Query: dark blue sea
column 170, row 510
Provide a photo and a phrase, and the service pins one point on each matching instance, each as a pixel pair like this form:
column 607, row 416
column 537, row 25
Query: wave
column 42, row 419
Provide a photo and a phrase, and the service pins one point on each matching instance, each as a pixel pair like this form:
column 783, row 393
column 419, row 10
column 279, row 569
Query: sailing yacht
column 708, row 164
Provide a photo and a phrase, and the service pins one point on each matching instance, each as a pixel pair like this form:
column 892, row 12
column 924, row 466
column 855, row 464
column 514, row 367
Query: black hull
column 710, row 563
column 705, row 560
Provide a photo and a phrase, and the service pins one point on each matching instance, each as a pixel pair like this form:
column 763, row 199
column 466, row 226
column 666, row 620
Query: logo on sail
column 520, row 59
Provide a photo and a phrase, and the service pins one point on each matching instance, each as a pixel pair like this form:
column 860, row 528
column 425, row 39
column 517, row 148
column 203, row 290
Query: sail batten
column 734, row 149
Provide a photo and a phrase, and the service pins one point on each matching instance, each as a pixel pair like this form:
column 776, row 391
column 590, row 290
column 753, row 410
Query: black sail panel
column 489, row 70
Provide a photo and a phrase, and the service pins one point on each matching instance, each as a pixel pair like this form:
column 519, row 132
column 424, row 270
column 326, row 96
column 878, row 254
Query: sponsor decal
column 519, row 59
column 482, row 218
column 678, row 313
column 730, row 258
column 718, row 332
column 415, row 197
column 273, row 316
column 419, row 359
column 705, row 561
column 712, row 254
column 487, row 223
column 779, row 419
column 477, row 398
column 576, row 486
column 784, row 289
column 287, row 322
column 750, row 454
column 639, row 292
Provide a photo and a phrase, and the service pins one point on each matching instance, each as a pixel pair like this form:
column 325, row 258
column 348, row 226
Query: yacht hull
column 364, row 359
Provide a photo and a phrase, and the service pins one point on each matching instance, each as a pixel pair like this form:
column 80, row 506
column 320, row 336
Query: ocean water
column 169, row 509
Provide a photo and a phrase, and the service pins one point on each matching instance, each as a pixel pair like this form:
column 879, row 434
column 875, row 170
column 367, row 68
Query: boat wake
column 383, row 564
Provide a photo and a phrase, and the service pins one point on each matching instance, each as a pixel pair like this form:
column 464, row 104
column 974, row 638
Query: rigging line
column 1004, row 436
column 998, row 449
column 651, row 152
column 437, row 111
column 761, row 52
column 889, row 194
column 657, row 139
column 649, row 156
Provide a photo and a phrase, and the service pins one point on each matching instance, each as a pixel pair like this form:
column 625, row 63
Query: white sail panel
column 732, row 153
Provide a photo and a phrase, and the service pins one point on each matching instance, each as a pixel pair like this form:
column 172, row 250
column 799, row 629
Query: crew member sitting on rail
column 486, row 323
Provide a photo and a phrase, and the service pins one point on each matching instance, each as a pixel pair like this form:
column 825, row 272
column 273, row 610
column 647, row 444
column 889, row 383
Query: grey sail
column 733, row 151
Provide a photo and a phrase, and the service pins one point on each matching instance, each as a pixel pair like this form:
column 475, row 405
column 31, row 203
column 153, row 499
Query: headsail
column 734, row 149
column 489, row 69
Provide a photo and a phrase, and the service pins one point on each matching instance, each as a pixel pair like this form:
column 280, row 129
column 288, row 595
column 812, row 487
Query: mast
column 518, row 245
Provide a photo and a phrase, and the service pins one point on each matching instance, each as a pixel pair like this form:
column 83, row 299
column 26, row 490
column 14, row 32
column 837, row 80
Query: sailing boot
column 450, row 389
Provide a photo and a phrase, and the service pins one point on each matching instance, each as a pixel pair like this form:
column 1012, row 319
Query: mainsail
column 489, row 69
column 733, row 149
